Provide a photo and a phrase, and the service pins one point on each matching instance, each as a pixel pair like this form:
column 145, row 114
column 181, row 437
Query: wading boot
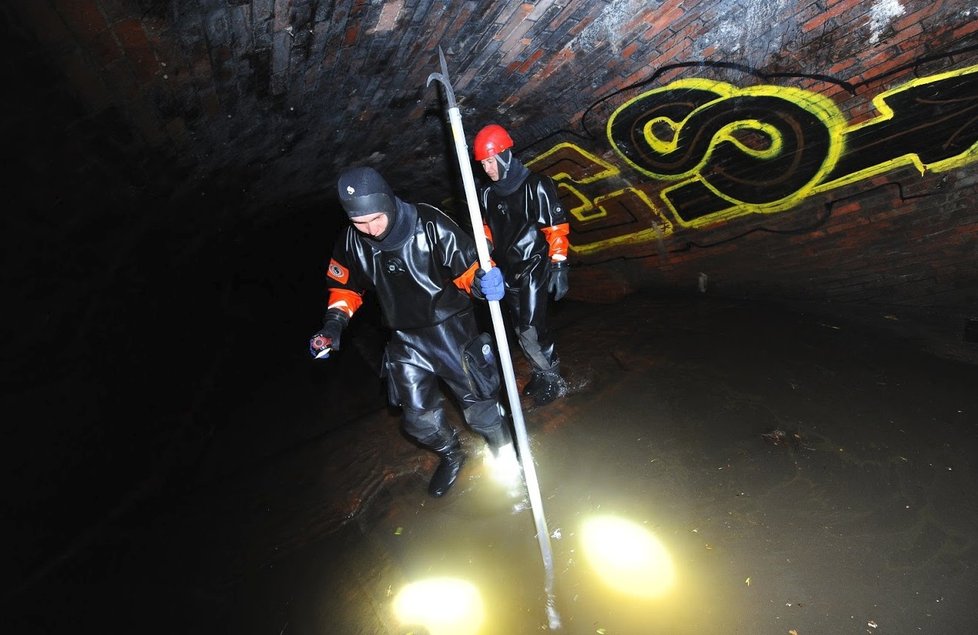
column 501, row 460
column 498, row 438
column 532, row 384
column 548, row 385
column 446, row 445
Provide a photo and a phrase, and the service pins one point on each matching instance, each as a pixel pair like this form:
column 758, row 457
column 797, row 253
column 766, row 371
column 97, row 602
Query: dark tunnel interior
column 170, row 179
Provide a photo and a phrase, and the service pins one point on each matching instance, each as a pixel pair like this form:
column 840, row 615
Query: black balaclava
column 400, row 230
column 364, row 191
column 511, row 173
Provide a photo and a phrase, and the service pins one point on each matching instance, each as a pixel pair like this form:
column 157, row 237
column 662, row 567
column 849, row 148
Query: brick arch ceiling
column 211, row 114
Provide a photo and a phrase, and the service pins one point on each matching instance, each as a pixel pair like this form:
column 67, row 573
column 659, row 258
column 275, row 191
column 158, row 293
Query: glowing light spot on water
column 627, row 557
column 443, row 606
column 505, row 468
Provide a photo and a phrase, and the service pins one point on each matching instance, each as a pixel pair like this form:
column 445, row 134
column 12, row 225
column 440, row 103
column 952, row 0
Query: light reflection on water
column 763, row 539
column 442, row 606
column 627, row 558
column 484, row 536
column 476, row 537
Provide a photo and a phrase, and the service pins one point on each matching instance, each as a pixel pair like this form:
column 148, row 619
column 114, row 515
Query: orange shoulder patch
column 338, row 272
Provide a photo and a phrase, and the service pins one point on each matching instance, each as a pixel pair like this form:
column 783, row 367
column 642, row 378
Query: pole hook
column 444, row 79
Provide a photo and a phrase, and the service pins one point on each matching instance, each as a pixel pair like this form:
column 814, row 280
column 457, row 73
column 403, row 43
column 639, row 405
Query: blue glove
column 489, row 284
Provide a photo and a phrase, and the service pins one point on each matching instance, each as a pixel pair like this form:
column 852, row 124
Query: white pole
column 502, row 343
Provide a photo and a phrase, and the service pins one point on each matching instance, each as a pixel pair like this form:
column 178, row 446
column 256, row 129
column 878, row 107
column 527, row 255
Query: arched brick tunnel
column 774, row 272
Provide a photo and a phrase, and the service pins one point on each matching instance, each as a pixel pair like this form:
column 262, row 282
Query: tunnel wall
column 840, row 179
column 810, row 151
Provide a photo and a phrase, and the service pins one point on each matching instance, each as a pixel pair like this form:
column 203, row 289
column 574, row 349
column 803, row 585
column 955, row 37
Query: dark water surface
column 802, row 476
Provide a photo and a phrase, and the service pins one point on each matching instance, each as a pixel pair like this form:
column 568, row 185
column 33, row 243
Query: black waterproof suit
column 421, row 274
column 517, row 216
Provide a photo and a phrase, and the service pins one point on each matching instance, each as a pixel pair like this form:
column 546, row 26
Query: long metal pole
column 502, row 343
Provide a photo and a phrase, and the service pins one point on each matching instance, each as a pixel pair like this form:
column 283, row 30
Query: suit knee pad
column 423, row 424
column 484, row 416
column 541, row 356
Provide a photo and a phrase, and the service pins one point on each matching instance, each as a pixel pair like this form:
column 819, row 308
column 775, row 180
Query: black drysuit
column 421, row 274
column 517, row 222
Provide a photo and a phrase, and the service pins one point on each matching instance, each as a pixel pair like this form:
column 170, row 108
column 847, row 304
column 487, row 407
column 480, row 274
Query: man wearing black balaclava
column 528, row 229
column 421, row 266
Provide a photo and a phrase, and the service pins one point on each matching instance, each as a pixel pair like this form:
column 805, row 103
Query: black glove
column 557, row 281
column 328, row 338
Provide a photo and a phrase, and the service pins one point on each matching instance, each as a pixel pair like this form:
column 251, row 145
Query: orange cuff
column 344, row 300
column 557, row 238
column 464, row 281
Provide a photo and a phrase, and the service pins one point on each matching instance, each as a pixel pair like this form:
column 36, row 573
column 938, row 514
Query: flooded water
column 792, row 476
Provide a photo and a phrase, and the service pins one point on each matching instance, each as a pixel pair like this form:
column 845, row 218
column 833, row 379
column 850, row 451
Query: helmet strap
column 504, row 159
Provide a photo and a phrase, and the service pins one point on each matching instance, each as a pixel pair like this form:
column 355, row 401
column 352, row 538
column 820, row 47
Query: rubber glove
column 326, row 339
column 557, row 281
column 489, row 284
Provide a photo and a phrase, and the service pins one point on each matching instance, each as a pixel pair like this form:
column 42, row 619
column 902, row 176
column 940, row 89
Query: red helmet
column 490, row 141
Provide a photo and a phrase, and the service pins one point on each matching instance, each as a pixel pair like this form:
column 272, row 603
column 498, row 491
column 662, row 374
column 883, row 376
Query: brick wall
column 212, row 114
column 173, row 161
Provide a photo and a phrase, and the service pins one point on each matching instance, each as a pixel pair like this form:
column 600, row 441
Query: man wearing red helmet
column 528, row 229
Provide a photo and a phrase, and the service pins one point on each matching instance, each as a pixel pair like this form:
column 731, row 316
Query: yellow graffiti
column 582, row 209
column 625, row 208
column 632, row 213
column 818, row 105
column 911, row 158
column 576, row 164
column 659, row 227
